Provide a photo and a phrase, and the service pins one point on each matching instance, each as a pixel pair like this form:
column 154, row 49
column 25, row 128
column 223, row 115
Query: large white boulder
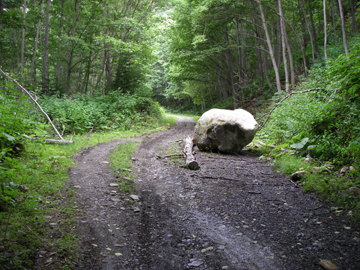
column 227, row 131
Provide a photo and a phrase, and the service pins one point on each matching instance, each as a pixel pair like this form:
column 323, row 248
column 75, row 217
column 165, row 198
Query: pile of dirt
column 232, row 213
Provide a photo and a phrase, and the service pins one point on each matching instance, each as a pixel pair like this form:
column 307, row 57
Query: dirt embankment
column 233, row 213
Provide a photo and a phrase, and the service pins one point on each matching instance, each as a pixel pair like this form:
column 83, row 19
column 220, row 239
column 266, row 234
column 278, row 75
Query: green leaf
column 9, row 137
column 300, row 144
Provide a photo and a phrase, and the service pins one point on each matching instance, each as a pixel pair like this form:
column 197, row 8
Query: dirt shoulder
column 233, row 213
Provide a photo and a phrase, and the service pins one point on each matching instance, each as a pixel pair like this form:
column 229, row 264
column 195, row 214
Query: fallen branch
column 188, row 152
column 38, row 105
column 170, row 155
column 277, row 104
column 51, row 140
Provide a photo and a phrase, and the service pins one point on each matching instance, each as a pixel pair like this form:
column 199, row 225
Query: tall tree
column 343, row 27
column 313, row 27
column 33, row 68
column 22, row 61
column 45, row 67
column 325, row 32
column 271, row 51
column 283, row 43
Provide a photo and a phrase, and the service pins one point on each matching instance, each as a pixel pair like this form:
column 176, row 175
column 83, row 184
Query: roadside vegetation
column 319, row 131
column 36, row 207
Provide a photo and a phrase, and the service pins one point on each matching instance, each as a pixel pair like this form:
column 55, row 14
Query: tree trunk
column 271, row 51
column 22, row 57
column 310, row 32
column 313, row 28
column 343, row 27
column 108, row 71
column 57, row 69
column 45, row 67
column 189, row 157
column 32, row 70
column 230, row 70
column 353, row 18
column 283, row 43
column 333, row 20
column 325, row 33
column 69, row 66
column 1, row 9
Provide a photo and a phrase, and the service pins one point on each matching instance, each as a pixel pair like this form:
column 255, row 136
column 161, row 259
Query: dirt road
column 233, row 213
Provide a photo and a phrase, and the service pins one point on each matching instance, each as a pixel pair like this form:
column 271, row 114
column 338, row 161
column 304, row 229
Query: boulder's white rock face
column 225, row 130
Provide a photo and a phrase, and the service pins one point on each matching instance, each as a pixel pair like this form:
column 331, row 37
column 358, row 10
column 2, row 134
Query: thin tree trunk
column 69, row 66
column 353, row 18
column 1, row 9
column 310, row 32
column 291, row 60
column 239, row 46
column 271, row 51
column 278, row 42
column 12, row 48
column 288, row 48
column 283, row 43
column 32, row 70
column 91, row 91
column 45, row 67
column 22, row 57
column 108, row 70
column 57, row 68
column 230, row 71
column 325, row 33
column 78, row 83
column 343, row 27
column 84, row 87
column 333, row 20
column 313, row 28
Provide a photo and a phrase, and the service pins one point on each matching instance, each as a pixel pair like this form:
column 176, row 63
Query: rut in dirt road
column 233, row 213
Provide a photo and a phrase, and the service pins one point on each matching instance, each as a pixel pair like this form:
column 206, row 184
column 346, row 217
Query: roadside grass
column 329, row 184
column 37, row 213
column 120, row 162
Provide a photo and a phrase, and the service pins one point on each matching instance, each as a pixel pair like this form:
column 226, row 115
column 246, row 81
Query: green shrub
column 113, row 111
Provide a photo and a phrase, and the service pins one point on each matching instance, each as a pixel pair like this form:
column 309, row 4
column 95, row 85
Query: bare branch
column 286, row 97
column 38, row 105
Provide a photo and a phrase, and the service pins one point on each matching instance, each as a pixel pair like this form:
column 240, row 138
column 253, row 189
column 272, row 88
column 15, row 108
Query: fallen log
column 170, row 155
column 52, row 140
column 190, row 159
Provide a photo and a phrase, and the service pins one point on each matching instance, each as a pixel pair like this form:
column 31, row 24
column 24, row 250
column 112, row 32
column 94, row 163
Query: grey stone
column 134, row 197
column 195, row 263
column 225, row 130
column 113, row 185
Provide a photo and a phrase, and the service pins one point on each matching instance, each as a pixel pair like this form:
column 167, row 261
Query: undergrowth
column 321, row 127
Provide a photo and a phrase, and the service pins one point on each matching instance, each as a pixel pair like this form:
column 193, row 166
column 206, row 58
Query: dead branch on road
column 170, row 155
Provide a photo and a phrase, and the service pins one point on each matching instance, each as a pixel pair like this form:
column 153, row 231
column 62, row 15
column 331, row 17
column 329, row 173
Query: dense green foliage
column 113, row 111
column 328, row 118
column 69, row 47
column 323, row 125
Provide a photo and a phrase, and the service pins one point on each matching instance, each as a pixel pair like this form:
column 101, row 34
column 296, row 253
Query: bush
column 15, row 122
column 113, row 111
column 329, row 119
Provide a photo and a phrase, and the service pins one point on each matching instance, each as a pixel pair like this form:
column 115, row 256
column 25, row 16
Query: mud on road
column 233, row 213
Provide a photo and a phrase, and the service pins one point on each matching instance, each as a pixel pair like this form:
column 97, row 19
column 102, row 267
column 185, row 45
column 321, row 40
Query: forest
column 107, row 68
